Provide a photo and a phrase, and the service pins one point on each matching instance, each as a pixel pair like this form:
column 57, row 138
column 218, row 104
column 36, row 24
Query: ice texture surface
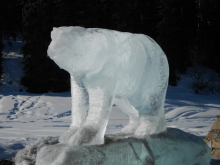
column 173, row 147
column 108, row 66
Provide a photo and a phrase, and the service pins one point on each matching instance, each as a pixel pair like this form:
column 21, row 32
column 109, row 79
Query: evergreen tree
column 205, row 50
column 176, row 28
column 1, row 59
column 135, row 16
column 210, row 32
column 10, row 21
column 41, row 73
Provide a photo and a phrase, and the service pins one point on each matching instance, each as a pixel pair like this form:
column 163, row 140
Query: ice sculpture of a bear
column 108, row 66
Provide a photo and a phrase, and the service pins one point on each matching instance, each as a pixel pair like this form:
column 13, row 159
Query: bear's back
column 138, row 61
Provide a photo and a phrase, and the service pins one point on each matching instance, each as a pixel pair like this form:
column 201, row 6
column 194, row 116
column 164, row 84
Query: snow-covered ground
column 25, row 117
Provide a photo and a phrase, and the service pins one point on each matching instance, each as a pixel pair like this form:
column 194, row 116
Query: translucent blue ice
column 108, row 66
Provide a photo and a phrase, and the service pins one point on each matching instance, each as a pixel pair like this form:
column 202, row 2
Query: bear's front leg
column 80, row 108
column 100, row 104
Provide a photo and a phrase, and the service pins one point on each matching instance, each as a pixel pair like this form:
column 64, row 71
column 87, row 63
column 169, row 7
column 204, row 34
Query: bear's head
column 77, row 49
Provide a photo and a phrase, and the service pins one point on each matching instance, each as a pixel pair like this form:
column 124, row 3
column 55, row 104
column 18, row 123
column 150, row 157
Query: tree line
column 10, row 23
column 187, row 31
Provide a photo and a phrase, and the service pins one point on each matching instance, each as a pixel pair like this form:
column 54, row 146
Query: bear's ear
column 54, row 33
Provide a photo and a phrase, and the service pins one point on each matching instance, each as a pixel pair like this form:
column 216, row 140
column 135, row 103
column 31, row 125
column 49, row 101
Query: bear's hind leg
column 152, row 123
column 125, row 106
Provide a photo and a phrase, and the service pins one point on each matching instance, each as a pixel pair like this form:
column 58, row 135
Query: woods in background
column 10, row 23
column 187, row 31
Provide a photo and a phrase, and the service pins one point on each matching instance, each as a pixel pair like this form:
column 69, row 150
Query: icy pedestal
column 27, row 156
column 173, row 147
